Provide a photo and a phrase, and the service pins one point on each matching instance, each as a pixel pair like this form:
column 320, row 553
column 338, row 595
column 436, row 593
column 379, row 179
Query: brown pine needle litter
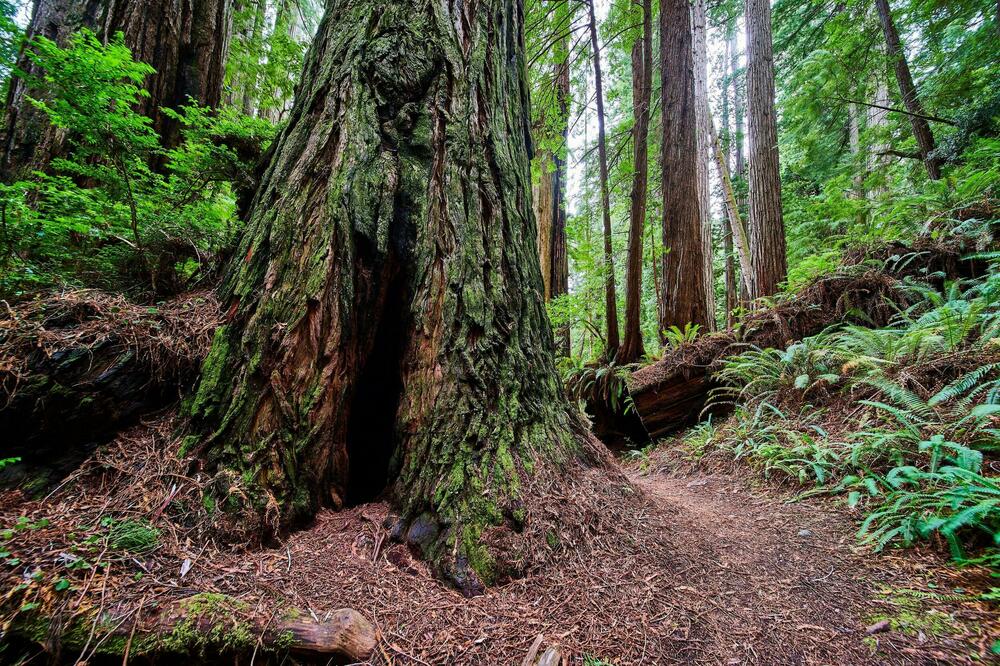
column 678, row 569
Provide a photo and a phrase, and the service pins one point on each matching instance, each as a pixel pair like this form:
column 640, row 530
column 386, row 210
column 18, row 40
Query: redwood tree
column 908, row 91
column 386, row 334
column 610, row 297
column 684, row 284
column 550, row 191
column 185, row 42
column 766, row 225
column 699, row 26
column 642, row 83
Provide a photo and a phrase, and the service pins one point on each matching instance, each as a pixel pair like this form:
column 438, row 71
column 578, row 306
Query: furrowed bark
column 766, row 225
column 684, row 295
column 387, row 335
column 642, row 82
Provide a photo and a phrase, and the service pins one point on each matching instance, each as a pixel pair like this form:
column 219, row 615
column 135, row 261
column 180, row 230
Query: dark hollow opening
column 371, row 430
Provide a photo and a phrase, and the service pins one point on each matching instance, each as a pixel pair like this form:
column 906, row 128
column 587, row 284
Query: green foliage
column 121, row 211
column 915, row 405
column 137, row 537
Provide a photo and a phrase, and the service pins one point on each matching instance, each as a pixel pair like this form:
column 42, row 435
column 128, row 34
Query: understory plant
column 120, row 210
column 902, row 420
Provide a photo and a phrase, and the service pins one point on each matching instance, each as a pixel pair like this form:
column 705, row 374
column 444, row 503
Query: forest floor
column 703, row 566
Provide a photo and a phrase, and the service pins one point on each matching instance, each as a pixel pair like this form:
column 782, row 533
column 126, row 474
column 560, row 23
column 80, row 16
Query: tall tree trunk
column 185, row 42
column 685, row 300
column 739, row 159
column 642, row 82
column 878, row 119
column 550, row 191
column 386, row 330
column 766, row 227
column 726, row 151
column 908, row 91
column 550, row 199
column 737, row 230
column 610, row 297
column 700, row 34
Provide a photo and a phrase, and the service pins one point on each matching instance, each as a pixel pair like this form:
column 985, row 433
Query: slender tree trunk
column 766, row 227
column 732, row 295
column 737, row 230
column 386, row 332
column 642, row 83
column 878, row 119
column 550, row 199
column 685, row 300
column 610, row 297
column 700, row 35
column 186, row 42
column 739, row 136
column 908, row 91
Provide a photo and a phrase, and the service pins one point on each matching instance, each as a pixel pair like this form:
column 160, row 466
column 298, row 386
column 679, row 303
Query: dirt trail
column 718, row 573
column 777, row 582
column 685, row 567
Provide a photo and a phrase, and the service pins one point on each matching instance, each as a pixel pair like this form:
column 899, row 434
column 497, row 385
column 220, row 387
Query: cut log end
column 347, row 634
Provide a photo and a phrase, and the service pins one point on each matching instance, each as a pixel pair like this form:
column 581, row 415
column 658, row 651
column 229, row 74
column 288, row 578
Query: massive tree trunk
column 699, row 27
column 610, row 297
column 642, row 83
column 908, row 91
column 766, row 226
column 386, row 332
column 685, row 298
column 186, row 42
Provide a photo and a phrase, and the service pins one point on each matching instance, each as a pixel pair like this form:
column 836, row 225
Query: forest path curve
column 773, row 581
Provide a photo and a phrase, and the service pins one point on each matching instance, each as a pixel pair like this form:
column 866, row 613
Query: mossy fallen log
column 672, row 392
column 76, row 367
column 204, row 628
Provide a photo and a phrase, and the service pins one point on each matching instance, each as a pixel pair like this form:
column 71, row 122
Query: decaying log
column 346, row 634
column 186, row 628
column 672, row 393
column 76, row 367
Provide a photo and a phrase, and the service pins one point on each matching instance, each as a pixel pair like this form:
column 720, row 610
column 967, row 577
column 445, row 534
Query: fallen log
column 78, row 366
column 201, row 629
column 672, row 393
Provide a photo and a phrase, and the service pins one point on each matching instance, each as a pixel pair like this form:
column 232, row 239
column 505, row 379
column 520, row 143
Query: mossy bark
column 386, row 325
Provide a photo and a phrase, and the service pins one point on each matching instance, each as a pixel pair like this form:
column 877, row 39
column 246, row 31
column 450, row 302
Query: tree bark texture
column 699, row 27
column 386, row 332
column 610, row 297
column 684, row 296
column 908, row 91
column 766, row 226
column 642, row 83
column 186, row 41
